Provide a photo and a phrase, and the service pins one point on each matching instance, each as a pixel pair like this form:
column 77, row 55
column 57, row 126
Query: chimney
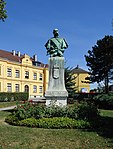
column 13, row 52
column 35, row 58
column 77, row 67
column 18, row 53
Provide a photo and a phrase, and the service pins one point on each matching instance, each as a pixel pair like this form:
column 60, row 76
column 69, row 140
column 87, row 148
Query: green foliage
column 27, row 110
column 100, row 61
column 70, row 82
column 79, row 116
column 56, row 122
column 61, row 112
column 3, row 12
column 12, row 119
column 6, row 96
column 104, row 101
column 55, row 111
column 87, row 111
column 21, row 96
column 29, row 122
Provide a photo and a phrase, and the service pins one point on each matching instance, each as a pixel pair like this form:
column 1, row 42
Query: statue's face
column 55, row 32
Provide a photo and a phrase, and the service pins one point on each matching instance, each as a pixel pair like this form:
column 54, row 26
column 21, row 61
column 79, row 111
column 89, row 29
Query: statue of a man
column 55, row 46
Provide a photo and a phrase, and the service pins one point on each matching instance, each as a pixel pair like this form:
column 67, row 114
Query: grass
column 14, row 137
column 7, row 104
column 108, row 113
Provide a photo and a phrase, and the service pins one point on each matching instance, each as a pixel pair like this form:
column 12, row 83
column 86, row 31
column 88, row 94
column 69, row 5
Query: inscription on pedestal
column 57, row 93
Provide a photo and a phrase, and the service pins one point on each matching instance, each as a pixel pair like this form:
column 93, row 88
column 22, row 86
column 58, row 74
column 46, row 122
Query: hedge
column 49, row 123
column 6, row 96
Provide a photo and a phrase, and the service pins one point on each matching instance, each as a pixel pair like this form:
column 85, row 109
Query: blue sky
column 81, row 22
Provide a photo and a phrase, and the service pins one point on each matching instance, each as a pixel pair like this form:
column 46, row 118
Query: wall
column 80, row 78
column 26, row 65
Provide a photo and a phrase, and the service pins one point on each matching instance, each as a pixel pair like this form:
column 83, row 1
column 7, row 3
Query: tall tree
column 100, row 61
column 70, row 82
column 3, row 12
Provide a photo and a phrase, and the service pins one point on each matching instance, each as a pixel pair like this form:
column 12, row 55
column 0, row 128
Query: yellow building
column 21, row 73
column 81, row 83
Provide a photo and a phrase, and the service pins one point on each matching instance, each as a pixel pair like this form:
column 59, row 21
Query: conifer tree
column 100, row 61
column 70, row 82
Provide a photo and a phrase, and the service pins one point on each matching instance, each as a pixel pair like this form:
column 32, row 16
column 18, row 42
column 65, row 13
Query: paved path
column 7, row 108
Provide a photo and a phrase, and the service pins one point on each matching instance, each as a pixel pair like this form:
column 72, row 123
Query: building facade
column 82, row 85
column 21, row 73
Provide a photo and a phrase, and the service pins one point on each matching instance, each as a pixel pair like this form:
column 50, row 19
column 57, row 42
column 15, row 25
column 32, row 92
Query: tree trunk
column 106, row 84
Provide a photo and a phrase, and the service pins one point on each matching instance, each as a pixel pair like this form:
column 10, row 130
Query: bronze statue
column 55, row 46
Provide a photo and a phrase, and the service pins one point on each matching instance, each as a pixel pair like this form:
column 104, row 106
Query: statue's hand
column 51, row 48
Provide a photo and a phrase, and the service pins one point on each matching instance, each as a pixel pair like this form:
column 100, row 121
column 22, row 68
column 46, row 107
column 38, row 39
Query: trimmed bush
column 11, row 119
column 29, row 122
column 7, row 96
column 53, row 123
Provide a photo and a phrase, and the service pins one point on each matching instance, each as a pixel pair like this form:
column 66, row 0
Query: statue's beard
column 56, row 34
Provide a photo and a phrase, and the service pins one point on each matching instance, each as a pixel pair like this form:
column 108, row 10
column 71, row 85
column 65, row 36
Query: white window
column 40, row 89
column 27, row 74
column 40, row 76
column 17, row 73
column 34, row 89
column 16, row 87
column 9, row 88
column 35, row 76
column 9, row 72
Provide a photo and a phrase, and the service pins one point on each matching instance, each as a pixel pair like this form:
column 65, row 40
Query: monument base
column 56, row 101
column 56, row 98
column 56, row 93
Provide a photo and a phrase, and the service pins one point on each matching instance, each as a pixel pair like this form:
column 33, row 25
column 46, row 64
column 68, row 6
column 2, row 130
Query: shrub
column 28, row 110
column 54, row 123
column 79, row 116
column 87, row 111
column 29, row 122
column 72, row 111
column 62, row 122
column 104, row 101
column 56, row 111
column 12, row 119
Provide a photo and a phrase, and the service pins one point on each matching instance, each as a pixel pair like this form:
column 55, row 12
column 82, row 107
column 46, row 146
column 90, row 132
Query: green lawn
column 108, row 113
column 7, row 104
column 14, row 137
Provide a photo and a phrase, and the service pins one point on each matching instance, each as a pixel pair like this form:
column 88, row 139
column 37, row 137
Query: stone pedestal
column 56, row 93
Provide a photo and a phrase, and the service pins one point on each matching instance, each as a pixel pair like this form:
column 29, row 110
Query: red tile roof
column 15, row 58
column 9, row 56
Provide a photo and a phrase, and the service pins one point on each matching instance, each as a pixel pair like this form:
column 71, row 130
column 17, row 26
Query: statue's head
column 55, row 32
